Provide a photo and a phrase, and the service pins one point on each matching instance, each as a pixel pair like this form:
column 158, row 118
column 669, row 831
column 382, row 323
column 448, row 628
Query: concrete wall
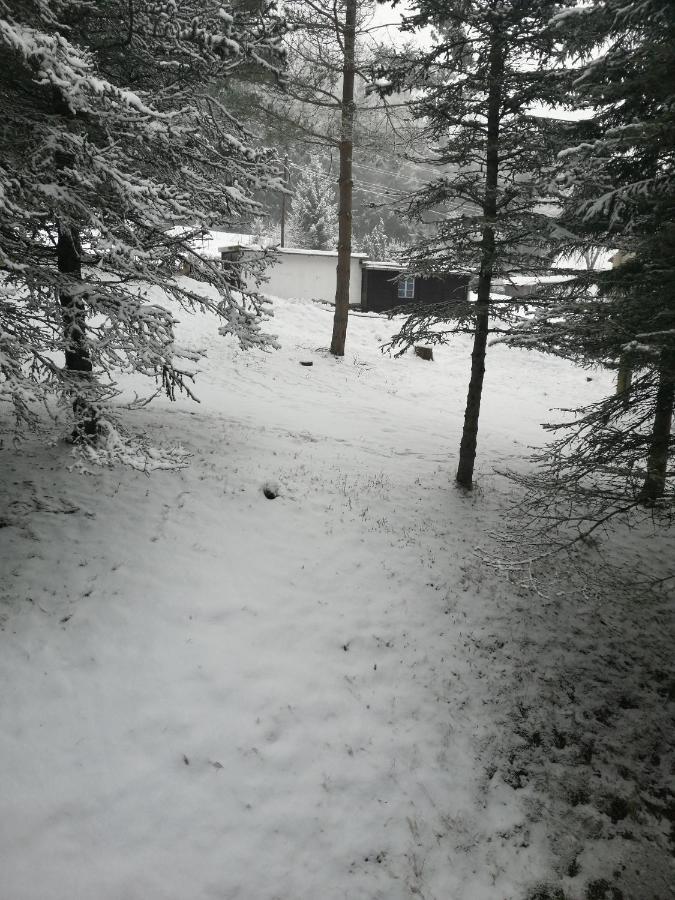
column 310, row 275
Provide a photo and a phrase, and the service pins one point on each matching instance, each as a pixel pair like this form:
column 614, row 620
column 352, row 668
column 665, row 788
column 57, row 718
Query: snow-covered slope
column 211, row 694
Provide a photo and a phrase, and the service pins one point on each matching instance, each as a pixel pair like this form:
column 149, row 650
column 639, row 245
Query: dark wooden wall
column 379, row 290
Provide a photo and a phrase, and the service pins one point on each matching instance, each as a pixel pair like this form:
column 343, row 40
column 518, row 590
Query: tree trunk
column 623, row 379
column 337, row 347
column 654, row 485
column 282, row 242
column 69, row 260
column 69, row 254
column 73, row 314
column 467, row 448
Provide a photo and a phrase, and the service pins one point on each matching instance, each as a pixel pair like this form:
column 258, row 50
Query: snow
column 328, row 694
column 382, row 264
column 302, row 251
column 211, row 243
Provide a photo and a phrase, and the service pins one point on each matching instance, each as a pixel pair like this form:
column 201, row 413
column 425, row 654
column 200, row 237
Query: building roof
column 388, row 265
column 228, row 248
column 298, row 251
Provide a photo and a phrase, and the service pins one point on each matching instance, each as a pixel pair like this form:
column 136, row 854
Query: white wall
column 311, row 275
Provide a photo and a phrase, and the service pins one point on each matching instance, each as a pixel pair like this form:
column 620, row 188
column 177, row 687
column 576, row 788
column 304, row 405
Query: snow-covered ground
column 327, row 695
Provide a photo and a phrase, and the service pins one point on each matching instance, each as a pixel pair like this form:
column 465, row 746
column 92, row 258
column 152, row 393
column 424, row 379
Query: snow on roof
column 238, row 245
column 527, row 280
column 209, row 243
column 304, row 252
column 383, row 264
column 299, row 251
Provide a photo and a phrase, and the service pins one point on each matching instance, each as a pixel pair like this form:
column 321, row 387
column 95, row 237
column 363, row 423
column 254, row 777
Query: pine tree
column 616, row 188
column 103, row 186
column 491, row 62
column 378, row 245
column 321, row 103
column 314, row 223
column 347, row 40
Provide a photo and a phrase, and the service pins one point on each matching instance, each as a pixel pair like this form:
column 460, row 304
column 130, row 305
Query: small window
column 406, row 287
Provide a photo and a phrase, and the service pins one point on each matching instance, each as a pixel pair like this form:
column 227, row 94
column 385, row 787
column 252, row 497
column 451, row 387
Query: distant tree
column 264, row 232
column 320, row 106
column 314, row 218
column 324, row 44
column 378, row 245
column 103, row 186
column 490, row 62
column 615, row 187
column 347, row 41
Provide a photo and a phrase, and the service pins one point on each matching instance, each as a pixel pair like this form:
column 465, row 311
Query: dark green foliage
column 456, row 79
column 615, row 186
column 314, row 217
column 490, row 63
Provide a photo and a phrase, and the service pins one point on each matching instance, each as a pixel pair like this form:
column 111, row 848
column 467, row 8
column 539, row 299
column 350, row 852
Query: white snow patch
column 207, row 695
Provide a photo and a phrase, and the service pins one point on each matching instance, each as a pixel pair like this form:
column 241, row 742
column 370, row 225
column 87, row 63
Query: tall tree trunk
column 73, row 311
column 69, row 261
column 282, row 242
column 624, row 378
column 69, row 254
column 337, row 346
column 73, row 314
column 467, row 448
column 654, row 485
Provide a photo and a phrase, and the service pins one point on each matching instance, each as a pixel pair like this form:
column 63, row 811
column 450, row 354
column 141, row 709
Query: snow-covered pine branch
column 615, row 185
column 109, row 160
column 474, row 87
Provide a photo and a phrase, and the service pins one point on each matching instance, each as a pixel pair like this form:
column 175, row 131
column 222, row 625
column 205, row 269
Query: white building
column 306, row 274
